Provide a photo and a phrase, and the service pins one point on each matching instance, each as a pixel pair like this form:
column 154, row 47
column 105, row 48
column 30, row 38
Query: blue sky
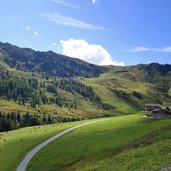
column 118, row 32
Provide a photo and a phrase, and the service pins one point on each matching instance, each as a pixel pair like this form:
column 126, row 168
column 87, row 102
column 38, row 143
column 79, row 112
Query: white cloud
column 140, row 49
column 36, row 33
column 27, row 28
column 53, row 44
column 68, row 21
column 145, row 49
column 61, row 2
column 165, row 49
column 93, row 1
column 91, row 53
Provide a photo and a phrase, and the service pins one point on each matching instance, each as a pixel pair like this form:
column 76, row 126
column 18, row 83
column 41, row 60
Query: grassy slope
column 153, row 157
column 85, row 107
column 104, row 85
column 9, row 106
column 3, row 65
column 14, row 144
column 169, row 92
column 102, row 88
column 120, row 143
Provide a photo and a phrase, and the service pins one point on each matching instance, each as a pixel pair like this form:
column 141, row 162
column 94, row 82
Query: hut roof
column 151, row 104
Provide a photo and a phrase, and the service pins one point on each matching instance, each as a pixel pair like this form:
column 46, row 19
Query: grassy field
column 107, row 82
column 15, row 144
column 120, row 143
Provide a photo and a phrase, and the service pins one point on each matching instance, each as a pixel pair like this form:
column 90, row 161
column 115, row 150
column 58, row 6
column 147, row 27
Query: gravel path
column 166, row 169
column 24, row 163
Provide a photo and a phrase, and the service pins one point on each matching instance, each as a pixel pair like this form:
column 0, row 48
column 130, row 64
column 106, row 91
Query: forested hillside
column 46, row 62
column 35, row 94
column 46, row 87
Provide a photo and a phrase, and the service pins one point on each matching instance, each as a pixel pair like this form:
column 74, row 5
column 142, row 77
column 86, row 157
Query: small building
column 168, row 108
column 160, row 113
column 150, row 107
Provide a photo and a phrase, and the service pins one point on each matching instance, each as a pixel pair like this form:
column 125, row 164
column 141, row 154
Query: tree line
column 15, row 120
column 72, row 85
column 32, row 91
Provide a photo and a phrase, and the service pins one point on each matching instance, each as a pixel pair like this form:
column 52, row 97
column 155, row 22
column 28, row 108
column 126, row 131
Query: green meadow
column 120, row 143
column 15, row 144
column 128, row 142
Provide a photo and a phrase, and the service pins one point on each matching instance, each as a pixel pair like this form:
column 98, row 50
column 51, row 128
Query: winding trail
column 24, row 163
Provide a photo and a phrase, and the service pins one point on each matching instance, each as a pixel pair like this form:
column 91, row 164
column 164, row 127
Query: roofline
column 149, row 104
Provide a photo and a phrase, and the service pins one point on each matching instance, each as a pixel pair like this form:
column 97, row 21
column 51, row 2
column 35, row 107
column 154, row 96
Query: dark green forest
column 32, row 91
column 13, row 120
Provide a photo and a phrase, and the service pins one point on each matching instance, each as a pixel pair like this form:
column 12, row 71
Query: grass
column 149, row 152
column 3, row 65
column 107, row 82
column 119, row 143
column 111, row 79
column 9, row 106
column 85, row 107
column 104, row 86
column 15, row 144
column 150, row 158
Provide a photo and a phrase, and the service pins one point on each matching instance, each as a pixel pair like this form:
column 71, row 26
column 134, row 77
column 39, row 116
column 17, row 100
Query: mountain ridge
column 52, row 63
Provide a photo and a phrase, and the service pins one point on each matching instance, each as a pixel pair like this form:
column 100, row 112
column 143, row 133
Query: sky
column 102, row 32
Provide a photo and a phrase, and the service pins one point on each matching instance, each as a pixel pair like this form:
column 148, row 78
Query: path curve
column 24, row 163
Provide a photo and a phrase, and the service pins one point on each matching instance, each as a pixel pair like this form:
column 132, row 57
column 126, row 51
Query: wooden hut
column 160, row 113
column 150, row 107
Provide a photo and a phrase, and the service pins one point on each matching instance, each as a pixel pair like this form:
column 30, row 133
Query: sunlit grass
column 15, row 144
column 106, row 145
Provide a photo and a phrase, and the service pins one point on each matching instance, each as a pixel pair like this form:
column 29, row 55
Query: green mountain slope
column 128, row 88
column 46, row 83
column 47, row 62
